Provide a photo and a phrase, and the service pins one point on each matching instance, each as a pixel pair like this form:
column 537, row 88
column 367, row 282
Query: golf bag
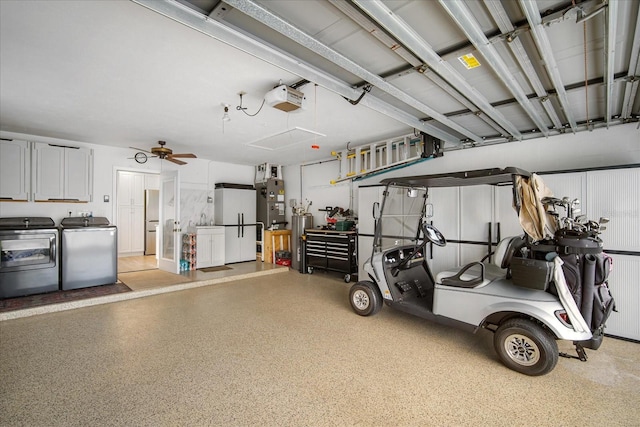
column 586, row 270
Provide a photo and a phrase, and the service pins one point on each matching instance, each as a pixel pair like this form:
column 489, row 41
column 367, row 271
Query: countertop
column 194, row 228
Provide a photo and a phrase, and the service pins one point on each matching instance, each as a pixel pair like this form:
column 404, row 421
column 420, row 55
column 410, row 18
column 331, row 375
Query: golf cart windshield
column 400, row 216
column 404, row 207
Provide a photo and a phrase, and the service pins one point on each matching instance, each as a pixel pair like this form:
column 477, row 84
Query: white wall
column 602, row 147
column 197, row 182
column 615, row 146
column 104, row 161
column 312, row 183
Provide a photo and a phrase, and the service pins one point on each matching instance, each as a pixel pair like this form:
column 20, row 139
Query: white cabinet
column 612, row 193
column 572, row 185
column 61, row 173
column 464, row 215
column 77, row 176
column 14, row 170
column 235, row 204
column 130, row 212
column 235, row 209
column 506, row 217
column 623, row 284
column 240, row 243
column 446, row 218
column 367, row 197
column 210, row 246
column 476, row 222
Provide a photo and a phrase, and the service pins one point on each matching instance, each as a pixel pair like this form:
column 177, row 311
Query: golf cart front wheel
column 526, row 347
column 365, row 298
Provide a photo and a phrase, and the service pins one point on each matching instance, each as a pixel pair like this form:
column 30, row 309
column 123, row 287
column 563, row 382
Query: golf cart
column 532, row 289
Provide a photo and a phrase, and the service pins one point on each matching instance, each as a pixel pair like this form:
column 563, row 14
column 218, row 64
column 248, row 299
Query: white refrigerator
column 151, row 213
column 235, row 210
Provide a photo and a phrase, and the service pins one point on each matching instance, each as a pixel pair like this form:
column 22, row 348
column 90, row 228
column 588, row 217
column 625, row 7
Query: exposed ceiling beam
column 594, row 123
column 442, row 84
column 248, row 44
column 609, row 55
column 417, row 66
column 263, row 15
column 413, row 41
column 501, row 18
column 591, row 83
column 530, row 9
column 631, row 87
column 356, row 16
column 462, row 16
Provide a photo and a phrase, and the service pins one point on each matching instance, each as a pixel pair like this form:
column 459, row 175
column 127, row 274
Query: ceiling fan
column 163, row 153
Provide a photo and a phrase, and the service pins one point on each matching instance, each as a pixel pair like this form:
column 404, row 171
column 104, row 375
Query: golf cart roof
column 457, row 179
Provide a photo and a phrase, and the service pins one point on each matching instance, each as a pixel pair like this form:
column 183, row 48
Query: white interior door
column 169, row 219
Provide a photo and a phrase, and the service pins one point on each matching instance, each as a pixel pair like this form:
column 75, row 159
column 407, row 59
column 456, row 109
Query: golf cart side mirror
column 428, row 213
column 376, row 210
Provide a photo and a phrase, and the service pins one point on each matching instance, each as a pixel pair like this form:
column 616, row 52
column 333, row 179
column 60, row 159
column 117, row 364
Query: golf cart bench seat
column 479, row 273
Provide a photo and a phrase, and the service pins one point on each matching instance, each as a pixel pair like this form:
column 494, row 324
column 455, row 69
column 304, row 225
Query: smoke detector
column 284, row 98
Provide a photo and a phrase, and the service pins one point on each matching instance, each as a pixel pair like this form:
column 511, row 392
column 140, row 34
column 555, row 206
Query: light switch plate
column 106, row 198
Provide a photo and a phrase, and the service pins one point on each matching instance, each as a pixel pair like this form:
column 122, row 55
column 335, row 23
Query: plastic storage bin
column 531, row 273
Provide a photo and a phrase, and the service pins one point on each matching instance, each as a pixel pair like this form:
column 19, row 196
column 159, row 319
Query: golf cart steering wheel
column 433, row 235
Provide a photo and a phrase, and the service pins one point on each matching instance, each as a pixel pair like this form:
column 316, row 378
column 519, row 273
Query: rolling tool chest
column 333, row 251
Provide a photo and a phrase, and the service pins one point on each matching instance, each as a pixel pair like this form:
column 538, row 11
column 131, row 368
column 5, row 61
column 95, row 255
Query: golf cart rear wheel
column 526, row 347
column 365, row 298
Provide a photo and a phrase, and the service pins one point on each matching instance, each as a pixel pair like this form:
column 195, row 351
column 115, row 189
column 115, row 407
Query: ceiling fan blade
column 187, row 155
column 176, row 161
column 140, row 149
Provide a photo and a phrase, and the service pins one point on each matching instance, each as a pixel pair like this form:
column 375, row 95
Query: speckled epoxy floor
column 286, row 349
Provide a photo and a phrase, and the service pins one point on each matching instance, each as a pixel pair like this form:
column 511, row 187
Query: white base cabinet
column 240, row 243
column 210, row 246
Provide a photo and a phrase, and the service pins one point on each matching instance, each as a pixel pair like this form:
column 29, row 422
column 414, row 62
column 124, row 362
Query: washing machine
column 29, row 256
column 89, row 251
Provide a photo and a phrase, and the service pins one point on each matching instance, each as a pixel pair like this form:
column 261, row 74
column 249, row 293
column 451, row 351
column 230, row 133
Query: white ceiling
column 118, row 73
